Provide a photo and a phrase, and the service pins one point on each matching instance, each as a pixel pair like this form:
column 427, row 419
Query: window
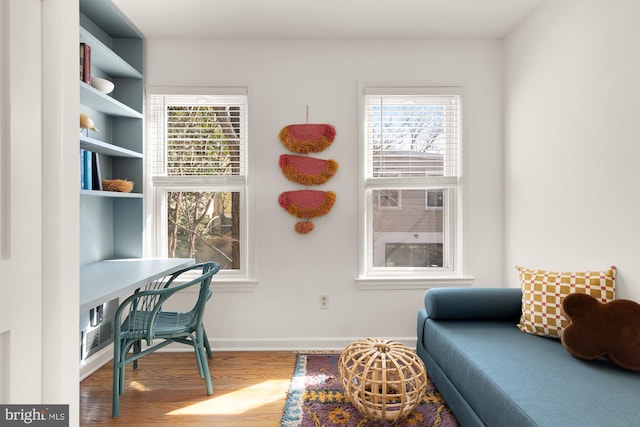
column 197, row 151
column 435, row 198
column 411, row 182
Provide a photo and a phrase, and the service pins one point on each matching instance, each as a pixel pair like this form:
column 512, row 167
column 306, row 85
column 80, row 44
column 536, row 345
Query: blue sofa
column 492, row 374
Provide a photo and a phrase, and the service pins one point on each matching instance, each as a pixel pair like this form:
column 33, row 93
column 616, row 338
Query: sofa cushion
column 543, row 292
column 596, row 329
column 473, row 303
column 515, row 379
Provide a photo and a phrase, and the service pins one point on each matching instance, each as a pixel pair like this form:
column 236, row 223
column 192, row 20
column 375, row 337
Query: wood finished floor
column 249, row 390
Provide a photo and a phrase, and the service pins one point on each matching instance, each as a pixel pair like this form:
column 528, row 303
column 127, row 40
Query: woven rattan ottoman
column 384, row 380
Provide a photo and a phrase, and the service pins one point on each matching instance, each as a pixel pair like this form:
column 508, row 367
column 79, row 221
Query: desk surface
column 104, row 280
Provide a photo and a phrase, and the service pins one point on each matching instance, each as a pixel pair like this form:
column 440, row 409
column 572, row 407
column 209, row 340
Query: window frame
column 371, row 277
column 157, row 188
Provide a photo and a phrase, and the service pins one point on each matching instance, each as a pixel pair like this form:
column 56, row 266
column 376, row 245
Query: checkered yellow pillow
column 543, row 292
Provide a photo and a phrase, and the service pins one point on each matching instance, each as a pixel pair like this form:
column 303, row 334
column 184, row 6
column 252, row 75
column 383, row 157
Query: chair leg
column 124, row 350
column 137, row 348
column 115, row 405
column 122, row 367
column 199, row 359
column 117, row 380
column 207, row 346
column 203, row 364
column 120, row 351
column 207, row 374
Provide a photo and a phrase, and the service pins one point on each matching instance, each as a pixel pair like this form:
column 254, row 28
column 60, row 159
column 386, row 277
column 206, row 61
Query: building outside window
column 198, row 155
column 411, row 182
column 435, row 199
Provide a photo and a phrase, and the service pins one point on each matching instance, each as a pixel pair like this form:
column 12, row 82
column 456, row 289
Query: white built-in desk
column 103, row 281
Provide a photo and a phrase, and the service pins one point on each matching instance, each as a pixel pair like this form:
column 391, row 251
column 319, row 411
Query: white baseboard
column 104, row 356
column 293, row 344
column 96, row 361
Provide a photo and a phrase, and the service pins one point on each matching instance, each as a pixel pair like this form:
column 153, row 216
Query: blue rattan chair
column 141, row 317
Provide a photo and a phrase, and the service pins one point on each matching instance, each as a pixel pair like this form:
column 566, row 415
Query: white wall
column 572, row 140
column 60, row 213
column 39, row 232
column 284, row 77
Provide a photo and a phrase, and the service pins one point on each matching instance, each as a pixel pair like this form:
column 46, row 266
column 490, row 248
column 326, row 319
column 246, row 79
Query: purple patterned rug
column 316, row 399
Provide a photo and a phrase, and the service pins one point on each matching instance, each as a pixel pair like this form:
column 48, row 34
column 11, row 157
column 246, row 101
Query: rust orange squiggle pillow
column 596, row 329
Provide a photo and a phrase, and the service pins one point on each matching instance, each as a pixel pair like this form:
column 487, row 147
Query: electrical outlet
column 324, row 301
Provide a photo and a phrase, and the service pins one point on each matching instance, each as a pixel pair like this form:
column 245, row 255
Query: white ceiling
column 326, row 19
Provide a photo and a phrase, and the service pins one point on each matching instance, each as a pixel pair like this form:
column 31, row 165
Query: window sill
column 393, row 283
column 233, row 285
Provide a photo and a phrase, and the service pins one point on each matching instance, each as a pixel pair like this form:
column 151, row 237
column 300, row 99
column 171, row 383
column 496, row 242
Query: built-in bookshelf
column 111, row 223
column 117, row 52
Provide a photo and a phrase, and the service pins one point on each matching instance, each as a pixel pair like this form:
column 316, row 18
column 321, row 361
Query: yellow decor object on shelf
column 119, row 185
column 87, row 123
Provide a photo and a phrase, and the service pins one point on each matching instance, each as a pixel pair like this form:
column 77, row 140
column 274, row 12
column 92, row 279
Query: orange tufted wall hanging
column 307, row 171
column 307, row 138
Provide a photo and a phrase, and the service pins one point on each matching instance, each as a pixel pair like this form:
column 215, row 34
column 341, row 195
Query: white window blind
column 411, row 136
column 412, row 139
column 198, row 135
